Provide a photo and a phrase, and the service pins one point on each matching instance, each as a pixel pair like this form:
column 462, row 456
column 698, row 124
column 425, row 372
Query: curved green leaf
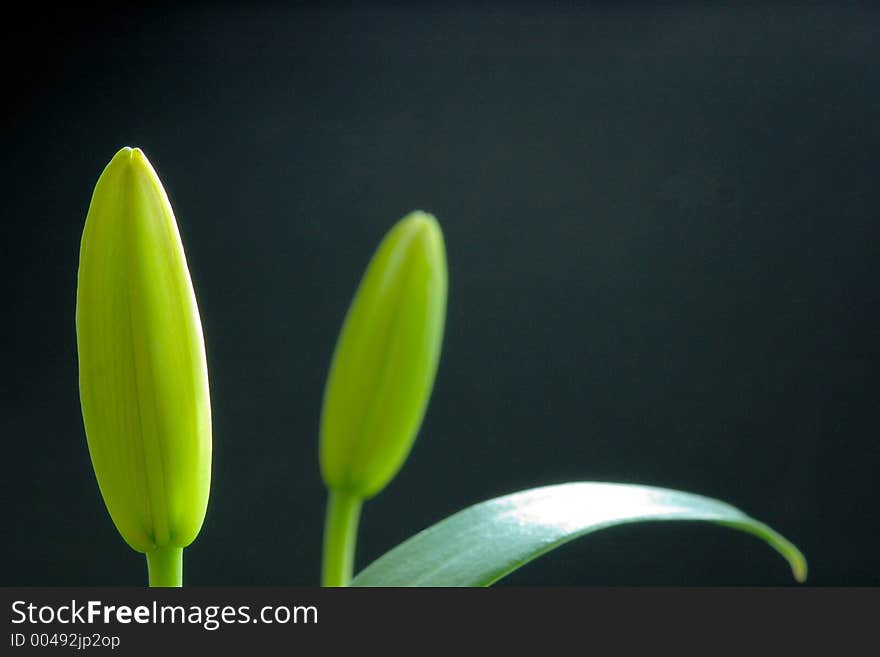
column 483, row 543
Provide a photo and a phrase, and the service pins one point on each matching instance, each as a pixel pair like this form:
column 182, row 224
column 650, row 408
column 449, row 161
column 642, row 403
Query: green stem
column 165, row 566
column 340, row 538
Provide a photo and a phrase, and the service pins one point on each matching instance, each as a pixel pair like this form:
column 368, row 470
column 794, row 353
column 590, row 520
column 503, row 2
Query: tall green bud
column 143, row 375
column 381, row 378
column 386, row 359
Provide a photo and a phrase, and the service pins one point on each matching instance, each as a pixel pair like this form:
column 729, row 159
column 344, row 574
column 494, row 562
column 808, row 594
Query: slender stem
column 165, row 566
column 340, row 538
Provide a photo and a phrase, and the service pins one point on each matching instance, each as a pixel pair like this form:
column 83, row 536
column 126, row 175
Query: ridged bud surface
column 142, row 370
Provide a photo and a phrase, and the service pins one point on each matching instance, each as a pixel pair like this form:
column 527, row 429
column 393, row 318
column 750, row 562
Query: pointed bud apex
column 143, row 376
column 385, row 360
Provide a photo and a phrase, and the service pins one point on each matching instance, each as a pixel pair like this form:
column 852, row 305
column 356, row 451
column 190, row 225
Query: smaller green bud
column 143, row 377
column 385, row 361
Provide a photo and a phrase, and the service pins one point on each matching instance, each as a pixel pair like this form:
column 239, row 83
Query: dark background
column 661, row 228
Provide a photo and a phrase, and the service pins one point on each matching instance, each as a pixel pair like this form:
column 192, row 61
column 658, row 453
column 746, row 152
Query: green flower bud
column 385, row 360
column 143, row 375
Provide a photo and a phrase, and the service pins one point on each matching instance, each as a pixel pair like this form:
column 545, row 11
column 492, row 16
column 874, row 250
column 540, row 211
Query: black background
column 661, row 227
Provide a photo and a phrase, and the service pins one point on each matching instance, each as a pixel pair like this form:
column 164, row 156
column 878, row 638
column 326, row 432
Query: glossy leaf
column 485, row 542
